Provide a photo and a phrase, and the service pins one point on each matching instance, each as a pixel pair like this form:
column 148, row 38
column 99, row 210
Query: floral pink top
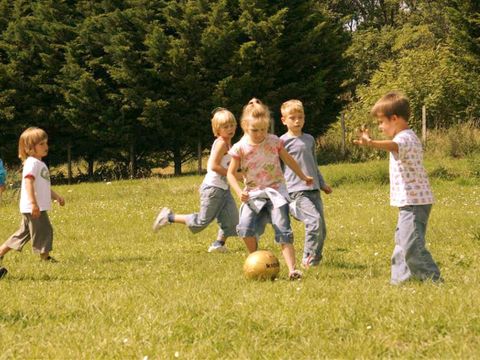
column 260, row 163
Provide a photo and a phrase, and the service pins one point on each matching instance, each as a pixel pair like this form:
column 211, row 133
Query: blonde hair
column 393, row 103
column 221, row 117
column 29, row 138
column 291, row 106
column 257, row 111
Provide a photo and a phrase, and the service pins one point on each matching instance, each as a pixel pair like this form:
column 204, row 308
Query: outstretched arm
column 292, row 164
column 364, row 139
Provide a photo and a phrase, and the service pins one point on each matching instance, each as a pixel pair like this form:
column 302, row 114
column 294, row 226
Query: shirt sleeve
column 235, row 151
column 403, row 146
column 31, row 169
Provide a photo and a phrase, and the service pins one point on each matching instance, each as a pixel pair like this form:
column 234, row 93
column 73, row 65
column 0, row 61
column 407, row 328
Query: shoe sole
column 221, row 250
column 160, row 221
column 3, row 272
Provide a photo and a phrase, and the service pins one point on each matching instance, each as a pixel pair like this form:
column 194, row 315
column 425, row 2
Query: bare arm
column 30, row 189
column 292, row 164
column 365, row 140
column 58, row 198
column 232, row 175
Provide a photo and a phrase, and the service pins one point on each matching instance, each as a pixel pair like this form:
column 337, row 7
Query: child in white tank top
column 216, row 201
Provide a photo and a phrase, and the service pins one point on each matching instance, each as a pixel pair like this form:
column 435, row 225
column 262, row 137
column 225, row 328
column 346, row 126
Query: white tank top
column 213, row 178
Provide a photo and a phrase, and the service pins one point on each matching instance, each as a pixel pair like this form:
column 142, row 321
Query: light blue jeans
column 309, row 206
column 215, row 203
column 411, row 259
column 253, row 224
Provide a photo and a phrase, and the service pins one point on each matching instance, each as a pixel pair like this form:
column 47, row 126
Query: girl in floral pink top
column 264, row 197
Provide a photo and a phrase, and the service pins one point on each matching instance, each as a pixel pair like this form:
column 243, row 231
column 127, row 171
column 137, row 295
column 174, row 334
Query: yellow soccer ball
column 261, row 265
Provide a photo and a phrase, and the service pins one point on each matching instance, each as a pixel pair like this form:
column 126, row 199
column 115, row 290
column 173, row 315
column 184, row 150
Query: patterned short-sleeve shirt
column 409, row 183
column 260, row 163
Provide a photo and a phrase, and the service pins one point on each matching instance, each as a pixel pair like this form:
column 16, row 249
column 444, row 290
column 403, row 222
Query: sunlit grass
column 121, row 291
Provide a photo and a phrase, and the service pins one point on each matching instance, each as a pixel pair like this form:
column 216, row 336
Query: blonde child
column 409, row 189
column 35, row 197
column 307, row 204
column 264, row 198
column 216, row 201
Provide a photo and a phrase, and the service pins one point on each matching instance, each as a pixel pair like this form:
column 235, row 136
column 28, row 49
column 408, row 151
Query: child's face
column 387, row 125
column 257, row 131
column 41, row 149
column 227, row 131
column 294, row 121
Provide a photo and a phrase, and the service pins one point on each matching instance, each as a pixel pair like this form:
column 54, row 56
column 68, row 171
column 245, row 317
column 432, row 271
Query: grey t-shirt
column 302, row 149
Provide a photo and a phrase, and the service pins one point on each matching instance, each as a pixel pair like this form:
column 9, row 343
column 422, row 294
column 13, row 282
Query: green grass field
column 122, row 292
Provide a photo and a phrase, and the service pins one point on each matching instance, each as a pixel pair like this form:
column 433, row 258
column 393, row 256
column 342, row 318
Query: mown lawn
column 121, row 291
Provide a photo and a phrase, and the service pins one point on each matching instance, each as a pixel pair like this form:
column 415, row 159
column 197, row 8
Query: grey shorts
column 38, row 230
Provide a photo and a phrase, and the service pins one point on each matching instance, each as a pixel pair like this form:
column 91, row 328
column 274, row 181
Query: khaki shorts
column 38, row 230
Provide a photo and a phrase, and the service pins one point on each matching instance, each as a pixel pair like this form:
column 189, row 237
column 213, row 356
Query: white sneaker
column 217, row 246
column 162, row 219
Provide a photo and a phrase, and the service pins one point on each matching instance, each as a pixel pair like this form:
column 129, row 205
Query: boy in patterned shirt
column 409, row 189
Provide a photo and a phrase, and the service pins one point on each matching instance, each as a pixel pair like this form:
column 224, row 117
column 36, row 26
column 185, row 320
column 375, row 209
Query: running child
column 216, row 201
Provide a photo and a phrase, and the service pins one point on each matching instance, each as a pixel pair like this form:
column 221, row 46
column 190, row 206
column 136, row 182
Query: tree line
column 135, row 81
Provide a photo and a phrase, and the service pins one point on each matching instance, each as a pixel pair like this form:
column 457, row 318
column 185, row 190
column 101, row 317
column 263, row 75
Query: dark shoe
column 50, row 259
column 3, row 272
column 295, row 275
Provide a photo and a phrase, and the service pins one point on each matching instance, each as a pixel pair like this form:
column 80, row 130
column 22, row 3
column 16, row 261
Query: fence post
column 424, row 126
column 342, row 121
column 69, row 163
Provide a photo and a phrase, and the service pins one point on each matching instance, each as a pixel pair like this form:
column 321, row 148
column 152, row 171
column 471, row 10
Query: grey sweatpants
column 38, row 230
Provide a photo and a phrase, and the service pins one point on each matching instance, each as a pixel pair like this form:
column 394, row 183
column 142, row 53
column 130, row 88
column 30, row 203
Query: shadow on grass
column 345, row 265
column 127, row 259
column 53, row 278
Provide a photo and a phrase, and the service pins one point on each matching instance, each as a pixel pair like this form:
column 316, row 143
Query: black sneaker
column 3, row 272
column 49, row 259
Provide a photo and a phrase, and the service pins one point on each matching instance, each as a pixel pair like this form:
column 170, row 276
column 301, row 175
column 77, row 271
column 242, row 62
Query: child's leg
column 211, row 202
column 284, row 236
column 19, row 238
column 42, row 235
column 250, row 226
column 310, row 210
column 227, row 218
column 288, row 252
column 251, row 243
column 411, row 258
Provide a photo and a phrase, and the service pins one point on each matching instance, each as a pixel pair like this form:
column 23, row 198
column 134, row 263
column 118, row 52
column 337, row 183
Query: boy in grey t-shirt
column 307, row 204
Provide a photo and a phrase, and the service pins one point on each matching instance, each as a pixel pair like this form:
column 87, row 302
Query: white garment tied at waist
column 258, row 198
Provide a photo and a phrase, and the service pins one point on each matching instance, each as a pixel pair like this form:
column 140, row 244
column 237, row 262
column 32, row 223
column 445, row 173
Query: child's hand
column 327, row 189
column 61, row 200
column 363, row 137
column 244, row 196
column 35, row 211
column 308, row 180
